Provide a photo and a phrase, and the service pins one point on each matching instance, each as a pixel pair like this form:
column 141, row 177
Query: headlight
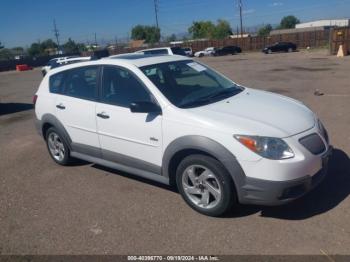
column 267, row 147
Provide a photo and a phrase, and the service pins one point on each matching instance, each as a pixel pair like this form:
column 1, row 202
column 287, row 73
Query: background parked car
column 206, row 52
column 163, row 51
column 188, row 51
column 280, row 47
column 228, row 50
column 57, row 62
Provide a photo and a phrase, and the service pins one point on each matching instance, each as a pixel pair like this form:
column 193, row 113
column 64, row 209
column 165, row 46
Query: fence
column 6, row 65
column 314, row 39
column 302, row 39
column 319, row 38
column 340, row 36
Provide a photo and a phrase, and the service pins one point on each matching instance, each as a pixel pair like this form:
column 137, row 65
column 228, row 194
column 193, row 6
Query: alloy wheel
column 201, row 186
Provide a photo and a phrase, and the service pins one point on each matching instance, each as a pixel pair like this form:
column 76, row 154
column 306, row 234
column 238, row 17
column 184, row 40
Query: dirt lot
column 87, row 209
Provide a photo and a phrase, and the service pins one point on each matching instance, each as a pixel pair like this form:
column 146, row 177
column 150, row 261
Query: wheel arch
column 49, row 120
column 187, row 145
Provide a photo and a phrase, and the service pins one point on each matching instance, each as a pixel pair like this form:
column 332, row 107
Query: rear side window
column 82, row 82
column 57, row 83
column 178, row 51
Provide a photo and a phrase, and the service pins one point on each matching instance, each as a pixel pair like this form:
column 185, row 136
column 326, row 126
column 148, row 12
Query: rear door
column 132, row 139
column 75, row 108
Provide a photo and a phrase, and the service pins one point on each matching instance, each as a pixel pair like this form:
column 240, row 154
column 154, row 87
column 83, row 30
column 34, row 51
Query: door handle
column 103, row 115
column 60, row 106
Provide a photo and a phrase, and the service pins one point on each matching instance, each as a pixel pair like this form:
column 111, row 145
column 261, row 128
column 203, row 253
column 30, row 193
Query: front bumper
column 271, row 193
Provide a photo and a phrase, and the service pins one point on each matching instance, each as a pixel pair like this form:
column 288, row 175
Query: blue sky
column 23, row 22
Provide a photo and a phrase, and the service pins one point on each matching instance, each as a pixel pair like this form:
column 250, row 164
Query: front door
column 132, row 139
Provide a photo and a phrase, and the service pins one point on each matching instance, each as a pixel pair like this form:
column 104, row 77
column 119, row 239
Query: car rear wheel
column 269, row 51
column 205, row 185
column 57, row 147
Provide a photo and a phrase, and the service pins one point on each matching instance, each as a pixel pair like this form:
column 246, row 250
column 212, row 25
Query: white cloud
column 276, row 4
column 248, row 11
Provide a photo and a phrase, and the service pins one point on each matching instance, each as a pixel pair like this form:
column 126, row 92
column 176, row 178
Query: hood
column 254, row 112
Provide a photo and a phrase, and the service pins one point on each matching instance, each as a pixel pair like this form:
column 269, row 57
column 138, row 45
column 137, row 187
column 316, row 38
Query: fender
column 210, row 147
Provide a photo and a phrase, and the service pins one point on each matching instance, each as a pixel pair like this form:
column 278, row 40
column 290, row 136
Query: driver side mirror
column 145, row 107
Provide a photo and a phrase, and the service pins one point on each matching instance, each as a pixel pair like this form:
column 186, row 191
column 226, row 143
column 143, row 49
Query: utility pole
column 95, row 40
column 156, row 12
column 57, row 34
column 240, row 17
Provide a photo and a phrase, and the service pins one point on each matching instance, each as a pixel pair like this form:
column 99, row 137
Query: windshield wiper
column 225, row 93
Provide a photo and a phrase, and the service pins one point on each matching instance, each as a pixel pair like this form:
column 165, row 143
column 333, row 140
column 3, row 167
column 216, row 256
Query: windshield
column 190, row 84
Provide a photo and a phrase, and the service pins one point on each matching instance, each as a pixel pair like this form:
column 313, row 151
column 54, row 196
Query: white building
column 325, row 23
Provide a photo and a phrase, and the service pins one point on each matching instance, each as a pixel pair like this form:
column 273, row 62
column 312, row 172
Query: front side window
column 82, row 82
column 190, row 84
column 121, row 88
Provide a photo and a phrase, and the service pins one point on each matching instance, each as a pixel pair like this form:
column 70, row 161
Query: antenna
column 57, row 34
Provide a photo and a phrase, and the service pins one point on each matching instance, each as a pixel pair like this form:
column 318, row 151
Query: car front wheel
column 205, row 185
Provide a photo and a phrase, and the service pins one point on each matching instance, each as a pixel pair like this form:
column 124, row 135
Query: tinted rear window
column 178, row 51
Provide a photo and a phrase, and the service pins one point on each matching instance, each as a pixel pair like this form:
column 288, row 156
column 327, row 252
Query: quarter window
column 82, row 82
column 57, row 83
column 120, row 87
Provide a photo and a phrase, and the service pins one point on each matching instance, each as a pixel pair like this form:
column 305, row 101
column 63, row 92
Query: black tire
column 228, row 191
column 66, row 160
column 201, row 55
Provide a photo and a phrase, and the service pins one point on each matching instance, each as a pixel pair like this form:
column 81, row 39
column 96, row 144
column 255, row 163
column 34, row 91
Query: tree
column 289, row 22
column 5, row 54
column 265, row 30
column 70, row 46
column 222, row 29
column 48, row 44
column 206, row 29
column 1, row 46
column 34, row 49
column 151, row 34
column 171, row 38
column 201, row 29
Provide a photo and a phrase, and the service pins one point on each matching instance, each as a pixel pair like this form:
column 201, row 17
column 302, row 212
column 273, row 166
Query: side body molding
column 210, row 147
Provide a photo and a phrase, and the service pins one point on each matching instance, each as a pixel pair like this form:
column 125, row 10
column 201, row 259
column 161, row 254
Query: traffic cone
column 341, row 52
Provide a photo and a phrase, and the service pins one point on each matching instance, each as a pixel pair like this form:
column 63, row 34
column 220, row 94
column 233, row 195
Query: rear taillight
column 35, row 97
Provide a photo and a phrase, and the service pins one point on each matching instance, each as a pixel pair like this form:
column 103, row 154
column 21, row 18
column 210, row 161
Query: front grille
column 313, row 143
